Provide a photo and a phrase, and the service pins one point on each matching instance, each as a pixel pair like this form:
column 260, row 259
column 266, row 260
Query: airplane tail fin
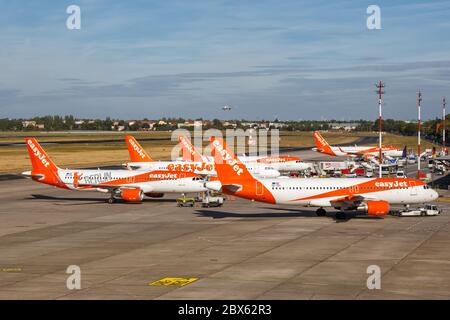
column 137, row 153
column 228, row 167
column 321, row 144
column 188, row 150
column 234, row 176
column 43, row 168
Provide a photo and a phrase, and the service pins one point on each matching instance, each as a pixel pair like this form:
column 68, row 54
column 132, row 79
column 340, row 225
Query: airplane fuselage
column 203, row 168
column 157, row 181
column 320, row 192
column 355, row 151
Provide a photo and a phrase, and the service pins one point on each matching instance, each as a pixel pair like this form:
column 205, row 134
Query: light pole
column 380, row 92
column 443, row 126
column 419, row 100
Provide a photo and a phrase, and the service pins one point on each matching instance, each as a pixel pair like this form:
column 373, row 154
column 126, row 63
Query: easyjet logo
column 190, row 167
column 228, row 158
column 275, row 160
column 38, row 154
column 389, row 148
column 391, row 184
column 270, row 160
column 187, row 145
column 136, row 148
column 320, row 138
column 163, row 176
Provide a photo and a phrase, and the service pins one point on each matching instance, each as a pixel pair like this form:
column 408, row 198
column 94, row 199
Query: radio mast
column 443, row 126
column 419, row 100
column 380, row 91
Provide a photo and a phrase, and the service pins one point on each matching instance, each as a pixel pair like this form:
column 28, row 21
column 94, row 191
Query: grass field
column 410, row 142
column 14, row 159
column 12, row 137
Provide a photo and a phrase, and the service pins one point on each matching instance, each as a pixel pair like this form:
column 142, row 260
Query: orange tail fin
column 322, row 145
column 44, row 169
column 234, row 176
column 229, row 168
column 137, row 153
column 189, row 151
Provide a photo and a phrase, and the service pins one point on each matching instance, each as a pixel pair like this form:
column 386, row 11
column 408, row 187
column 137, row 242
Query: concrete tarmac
column 244, row 250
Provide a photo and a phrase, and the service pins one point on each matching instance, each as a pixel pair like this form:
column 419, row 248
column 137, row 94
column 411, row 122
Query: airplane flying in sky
column 128, row 185
column 322, row 146
column 142, row 161
column 280, row 163
column 371, row 195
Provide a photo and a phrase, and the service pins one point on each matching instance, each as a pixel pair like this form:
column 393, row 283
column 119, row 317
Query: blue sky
column 286, row 59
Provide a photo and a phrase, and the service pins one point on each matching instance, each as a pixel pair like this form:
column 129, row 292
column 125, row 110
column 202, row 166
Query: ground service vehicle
column 212, row 200
column 428, row 210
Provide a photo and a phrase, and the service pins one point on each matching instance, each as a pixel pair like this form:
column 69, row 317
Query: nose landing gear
column 321, row 212
column 341, row 215
column 112, row 199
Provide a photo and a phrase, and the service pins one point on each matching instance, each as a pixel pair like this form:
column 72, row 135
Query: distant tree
column 217, row 124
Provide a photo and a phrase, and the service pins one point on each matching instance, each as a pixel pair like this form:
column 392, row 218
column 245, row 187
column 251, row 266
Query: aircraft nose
column 434, row 195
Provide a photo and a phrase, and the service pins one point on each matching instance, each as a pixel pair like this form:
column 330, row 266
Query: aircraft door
column 412, row 188
column 259, row 188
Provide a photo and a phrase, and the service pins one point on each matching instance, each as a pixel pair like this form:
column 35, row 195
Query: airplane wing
column 350, row 202
column 232, row 187
column 206, row 176
column 350, row 154
column 28, row 174
column 109, row 187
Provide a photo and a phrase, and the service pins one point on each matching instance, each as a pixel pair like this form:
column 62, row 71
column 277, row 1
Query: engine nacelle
column 132, row 195
column 214, row 185
column 154, row 194
column 376, row 208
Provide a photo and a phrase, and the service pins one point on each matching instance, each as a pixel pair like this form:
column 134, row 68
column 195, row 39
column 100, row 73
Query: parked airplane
column 130, row 186
column 373, row 196
column 142, row 161
column 280, row 163
column 322, row 146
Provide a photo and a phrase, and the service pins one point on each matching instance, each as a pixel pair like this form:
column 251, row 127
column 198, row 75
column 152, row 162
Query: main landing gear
column 321, row 212
column 341, row 215
column 112, row 199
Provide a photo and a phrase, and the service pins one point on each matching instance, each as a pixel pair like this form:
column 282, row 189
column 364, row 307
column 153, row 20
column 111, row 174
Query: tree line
column 431, row 129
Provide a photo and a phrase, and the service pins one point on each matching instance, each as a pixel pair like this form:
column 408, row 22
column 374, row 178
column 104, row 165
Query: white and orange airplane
column 130, row 186
column 322, row 146
column 371, row 195
column 142, row 161
column 280, row 163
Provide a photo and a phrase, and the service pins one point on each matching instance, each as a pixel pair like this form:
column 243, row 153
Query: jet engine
column 376, row 207
column 132, row 195
column 155, row 194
